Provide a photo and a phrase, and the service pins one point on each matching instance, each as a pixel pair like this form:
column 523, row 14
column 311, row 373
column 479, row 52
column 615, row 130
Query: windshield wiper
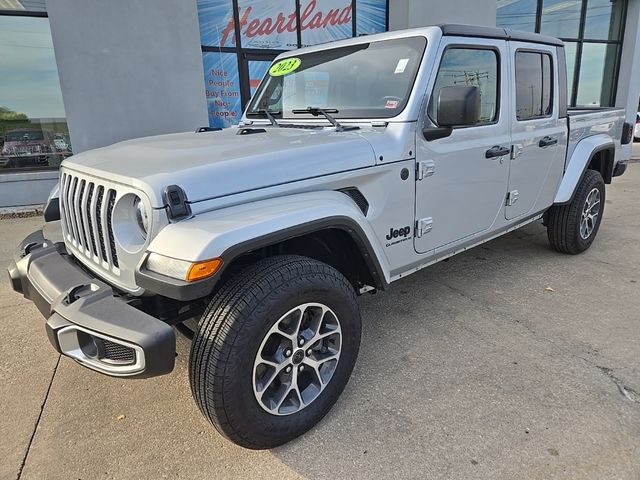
column 326, row 112
column 267, row 114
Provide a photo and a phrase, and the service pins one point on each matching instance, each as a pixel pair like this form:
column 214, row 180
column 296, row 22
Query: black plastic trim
column 627, row 133
column 176, row 202
column 188, row 291
column 66, row 294
column 620, row 168
column 172, row 287
column 52, row 210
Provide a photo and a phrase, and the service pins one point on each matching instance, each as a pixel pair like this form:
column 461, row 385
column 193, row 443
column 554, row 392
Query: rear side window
column 534, row 95
column 472, row 67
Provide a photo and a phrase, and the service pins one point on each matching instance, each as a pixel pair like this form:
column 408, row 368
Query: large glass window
column 33, row 129
column 533, row 85
column 258, row 30
column 325, row 21
column 371, row 16
column 596, row 77
column 570, row 51
column 517, row 14
column 24, row 5
column 592, row 32
column 603, row 20
column 561, row 18
column 469, row 67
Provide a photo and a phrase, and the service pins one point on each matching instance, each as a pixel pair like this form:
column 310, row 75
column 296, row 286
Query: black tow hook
column 77, row 292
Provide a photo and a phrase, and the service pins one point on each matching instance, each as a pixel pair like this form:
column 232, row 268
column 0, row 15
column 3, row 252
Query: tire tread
column 225, row 318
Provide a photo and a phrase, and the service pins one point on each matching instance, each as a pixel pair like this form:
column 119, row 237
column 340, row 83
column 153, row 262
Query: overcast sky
column 28, row 74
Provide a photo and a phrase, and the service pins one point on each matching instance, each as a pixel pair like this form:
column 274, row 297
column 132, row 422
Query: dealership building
column 81, row 74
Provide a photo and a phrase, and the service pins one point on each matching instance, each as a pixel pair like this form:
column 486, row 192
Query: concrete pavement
column 508, row 361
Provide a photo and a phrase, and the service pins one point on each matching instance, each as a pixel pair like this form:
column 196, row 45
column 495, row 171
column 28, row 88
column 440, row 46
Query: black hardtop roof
column 456, row 30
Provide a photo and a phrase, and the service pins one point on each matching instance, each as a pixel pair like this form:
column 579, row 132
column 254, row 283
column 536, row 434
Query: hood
column 214, row 164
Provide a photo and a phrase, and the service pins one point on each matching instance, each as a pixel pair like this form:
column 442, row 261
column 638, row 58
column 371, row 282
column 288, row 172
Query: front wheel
column 274, row 350
column 573, row 227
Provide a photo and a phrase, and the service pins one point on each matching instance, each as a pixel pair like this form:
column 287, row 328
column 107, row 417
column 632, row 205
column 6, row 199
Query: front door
column 538, row 135
column 465, row 175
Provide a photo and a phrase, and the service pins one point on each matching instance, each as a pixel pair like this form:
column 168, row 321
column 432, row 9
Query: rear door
column 538, row 135
column 464, row 176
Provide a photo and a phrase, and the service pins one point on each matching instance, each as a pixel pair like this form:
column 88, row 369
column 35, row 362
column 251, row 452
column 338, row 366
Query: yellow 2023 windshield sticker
column 284, row 67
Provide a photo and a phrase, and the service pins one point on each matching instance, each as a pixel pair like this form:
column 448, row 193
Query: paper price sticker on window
column 402, row 65
column 284, row 67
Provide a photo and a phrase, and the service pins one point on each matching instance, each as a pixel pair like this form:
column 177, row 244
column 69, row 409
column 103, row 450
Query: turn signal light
column 200, row 270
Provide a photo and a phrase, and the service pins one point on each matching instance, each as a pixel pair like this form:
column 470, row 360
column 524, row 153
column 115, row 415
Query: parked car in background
column 27, row 147
column 60, row 143
column 636, row 130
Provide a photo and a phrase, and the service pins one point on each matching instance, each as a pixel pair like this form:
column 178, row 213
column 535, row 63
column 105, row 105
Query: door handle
column 547, row 142
column 497, row 151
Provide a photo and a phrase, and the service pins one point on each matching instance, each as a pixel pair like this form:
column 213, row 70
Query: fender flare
column 233, row 231
column 578, row 163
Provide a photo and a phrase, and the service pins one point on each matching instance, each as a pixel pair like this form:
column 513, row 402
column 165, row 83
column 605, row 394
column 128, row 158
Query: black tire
column 232, row 329
column 563, row 223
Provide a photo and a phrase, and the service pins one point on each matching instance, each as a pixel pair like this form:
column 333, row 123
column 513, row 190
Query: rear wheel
column 572, row 228
column 274, row 350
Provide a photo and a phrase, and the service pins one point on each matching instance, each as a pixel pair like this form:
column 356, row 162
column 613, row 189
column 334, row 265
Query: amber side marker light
column 200, row 270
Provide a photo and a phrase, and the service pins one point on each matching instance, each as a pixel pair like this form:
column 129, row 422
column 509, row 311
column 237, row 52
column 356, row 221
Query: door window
column 534, row 96
column 471, row 67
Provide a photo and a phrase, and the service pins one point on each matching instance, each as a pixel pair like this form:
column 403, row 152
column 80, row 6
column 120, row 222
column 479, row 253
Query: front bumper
column 87, row 319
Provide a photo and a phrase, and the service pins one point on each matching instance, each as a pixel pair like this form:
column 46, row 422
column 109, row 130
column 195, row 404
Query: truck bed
column 585, row 122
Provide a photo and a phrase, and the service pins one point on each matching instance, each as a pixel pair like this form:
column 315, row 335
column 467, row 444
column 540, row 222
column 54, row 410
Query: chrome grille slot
column 87, row 210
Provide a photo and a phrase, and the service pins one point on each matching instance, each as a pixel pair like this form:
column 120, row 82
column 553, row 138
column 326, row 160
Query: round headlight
column 142, row 215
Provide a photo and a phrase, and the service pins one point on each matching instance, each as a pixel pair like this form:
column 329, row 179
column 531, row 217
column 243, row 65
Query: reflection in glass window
column 26, row 5
column 604, row 19
column 33, row 129
column 595, row 83
column 257, row 71
column 325, row 21
column 561, row 18
column 222, row 88
column 469, row 67
column 216, row 23
column 517, row 14
column 533, row 85
column 268, row 24
column 371, row 16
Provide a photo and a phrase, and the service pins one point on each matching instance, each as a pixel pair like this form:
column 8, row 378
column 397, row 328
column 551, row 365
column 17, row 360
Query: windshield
column 369, row 80
column 23, row 135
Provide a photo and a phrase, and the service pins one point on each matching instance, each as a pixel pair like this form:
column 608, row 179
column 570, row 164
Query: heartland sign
column 312, row 17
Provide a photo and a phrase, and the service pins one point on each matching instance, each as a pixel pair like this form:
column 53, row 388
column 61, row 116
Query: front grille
column 115, row 352
column 86, row 214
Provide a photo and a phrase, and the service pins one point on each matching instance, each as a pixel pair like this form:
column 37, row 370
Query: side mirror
column 458, row 106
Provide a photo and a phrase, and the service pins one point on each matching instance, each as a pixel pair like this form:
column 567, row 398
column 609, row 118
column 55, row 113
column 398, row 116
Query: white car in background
column 636, row 129
column 60, row 143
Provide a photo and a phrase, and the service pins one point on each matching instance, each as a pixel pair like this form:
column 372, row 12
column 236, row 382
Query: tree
column 8, row 114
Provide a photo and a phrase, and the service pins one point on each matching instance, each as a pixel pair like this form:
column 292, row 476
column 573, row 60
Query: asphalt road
column 508, row 361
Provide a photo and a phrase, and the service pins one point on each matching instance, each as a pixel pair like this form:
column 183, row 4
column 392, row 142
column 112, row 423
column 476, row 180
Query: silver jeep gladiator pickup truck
column 356, row 163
